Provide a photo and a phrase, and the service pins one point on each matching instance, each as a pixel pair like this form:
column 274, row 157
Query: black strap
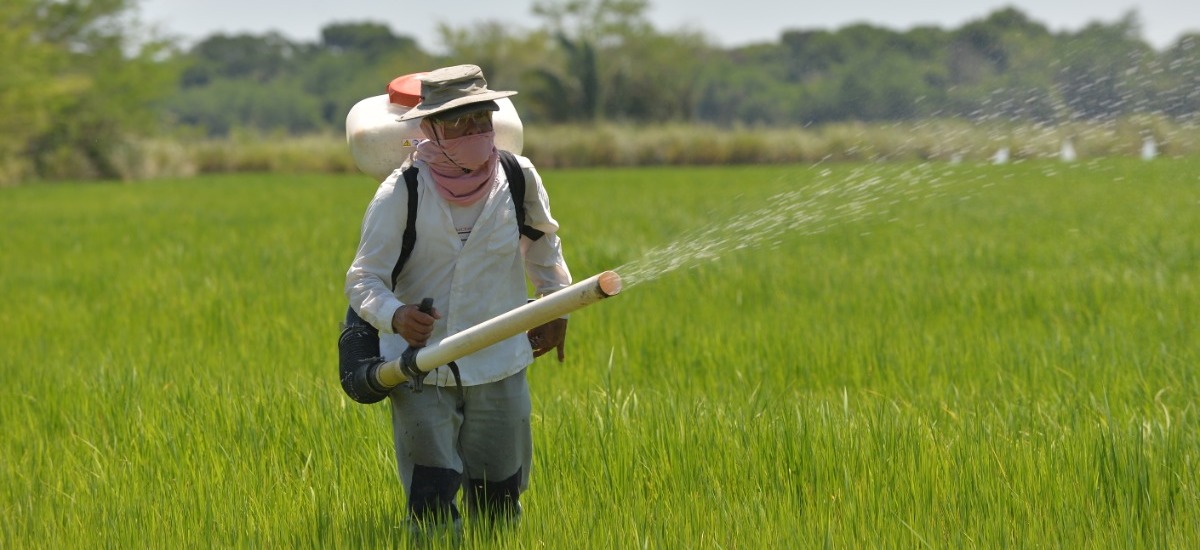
column 457, row 376
column 516, row 185
column 409, row 240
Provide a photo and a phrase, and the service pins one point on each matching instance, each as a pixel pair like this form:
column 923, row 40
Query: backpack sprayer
column 379, row 145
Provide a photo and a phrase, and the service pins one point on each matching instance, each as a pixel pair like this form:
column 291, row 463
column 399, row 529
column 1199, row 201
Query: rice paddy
column 841, row 355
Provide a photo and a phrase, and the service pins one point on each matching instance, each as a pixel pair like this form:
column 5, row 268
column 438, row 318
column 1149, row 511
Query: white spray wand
column 496, row 329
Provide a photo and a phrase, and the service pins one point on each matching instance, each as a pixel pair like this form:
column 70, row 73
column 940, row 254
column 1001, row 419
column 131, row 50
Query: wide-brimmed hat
column 451, row 88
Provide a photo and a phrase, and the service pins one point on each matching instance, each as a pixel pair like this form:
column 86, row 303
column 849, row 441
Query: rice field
column 908, row 355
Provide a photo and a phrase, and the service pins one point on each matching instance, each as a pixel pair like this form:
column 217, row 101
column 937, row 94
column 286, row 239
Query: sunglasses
column 480, row 121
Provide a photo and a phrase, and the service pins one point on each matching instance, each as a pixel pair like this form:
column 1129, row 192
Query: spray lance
column 367, row 378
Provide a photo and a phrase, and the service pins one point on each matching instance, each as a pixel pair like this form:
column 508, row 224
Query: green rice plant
column 916, row 354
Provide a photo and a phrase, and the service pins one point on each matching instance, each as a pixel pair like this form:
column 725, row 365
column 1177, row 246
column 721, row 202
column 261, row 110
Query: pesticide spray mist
column 809, row 209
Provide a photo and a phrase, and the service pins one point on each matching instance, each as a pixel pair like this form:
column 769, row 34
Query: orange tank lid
column 406, row 90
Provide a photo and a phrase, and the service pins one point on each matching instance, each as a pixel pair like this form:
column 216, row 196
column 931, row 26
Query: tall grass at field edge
column 574, row 146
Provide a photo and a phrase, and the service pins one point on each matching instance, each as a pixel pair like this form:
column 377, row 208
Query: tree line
column 83, row 80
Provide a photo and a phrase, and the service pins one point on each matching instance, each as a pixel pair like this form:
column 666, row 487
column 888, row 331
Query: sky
column 726, row 22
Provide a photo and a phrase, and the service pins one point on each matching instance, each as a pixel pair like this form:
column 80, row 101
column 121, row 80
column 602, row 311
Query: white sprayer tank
column 380, row 144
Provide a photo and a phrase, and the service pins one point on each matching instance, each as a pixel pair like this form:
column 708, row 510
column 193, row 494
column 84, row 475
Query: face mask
column 470, row 152
column 447, row 159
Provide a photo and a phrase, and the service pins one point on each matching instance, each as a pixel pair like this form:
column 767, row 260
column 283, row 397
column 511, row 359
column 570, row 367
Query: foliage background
column 89, row 93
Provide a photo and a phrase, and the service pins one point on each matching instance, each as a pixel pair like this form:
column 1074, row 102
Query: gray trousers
column 475, row 437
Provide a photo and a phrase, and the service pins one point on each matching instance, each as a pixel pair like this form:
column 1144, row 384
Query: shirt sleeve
column 544, row 262
column 368, row 285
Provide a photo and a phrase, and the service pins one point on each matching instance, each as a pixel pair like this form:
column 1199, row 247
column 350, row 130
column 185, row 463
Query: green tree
column 889, row 86
column 736, row 93
column 227, row 105
column 587, row 31
column 993, row 45
column 859, row 72
column 33, row 87
column 79, row 82
column 658, row 78
column 1102, row 68
column 810, row 54
column 260, row 58
column 1178, row 89
column 371, row 40
column 269, row 83
column 504, row 52
column 356, row 61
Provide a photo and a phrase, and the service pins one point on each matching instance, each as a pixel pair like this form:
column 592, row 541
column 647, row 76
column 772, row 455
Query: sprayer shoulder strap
column 516, row 186
column 409, row 239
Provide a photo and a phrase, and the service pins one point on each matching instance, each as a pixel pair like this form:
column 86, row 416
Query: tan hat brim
column 422, row 110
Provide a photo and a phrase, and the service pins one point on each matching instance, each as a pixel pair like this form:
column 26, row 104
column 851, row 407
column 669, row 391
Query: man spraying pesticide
column 437, row 300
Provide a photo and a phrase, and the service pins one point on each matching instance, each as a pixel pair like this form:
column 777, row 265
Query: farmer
column 470, row 426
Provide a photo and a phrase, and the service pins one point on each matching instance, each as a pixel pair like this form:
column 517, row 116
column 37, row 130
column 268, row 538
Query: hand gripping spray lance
column 367, row 378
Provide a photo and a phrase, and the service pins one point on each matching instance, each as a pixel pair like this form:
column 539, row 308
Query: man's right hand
column 415, row 327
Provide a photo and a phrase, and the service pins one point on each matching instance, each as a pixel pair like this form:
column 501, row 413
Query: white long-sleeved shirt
column 470, row 282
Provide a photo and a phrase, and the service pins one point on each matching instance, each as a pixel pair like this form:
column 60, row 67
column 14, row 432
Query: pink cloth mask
column 448, row 157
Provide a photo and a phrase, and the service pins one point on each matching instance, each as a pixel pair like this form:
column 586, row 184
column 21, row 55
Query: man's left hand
column 549, row 336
